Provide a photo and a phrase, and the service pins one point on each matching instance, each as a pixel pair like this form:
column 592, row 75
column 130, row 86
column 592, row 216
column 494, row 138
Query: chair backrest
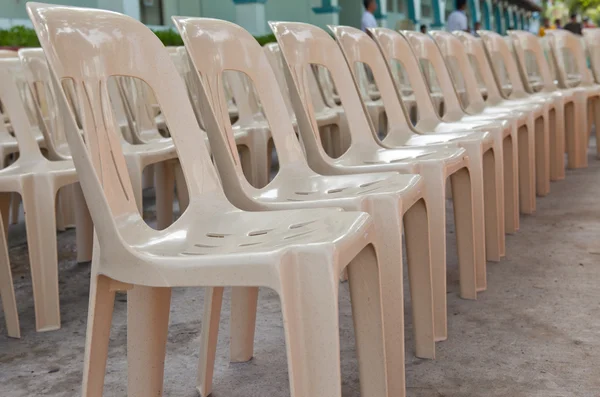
column 567, row 49
column 359, row 50
column 216, row 47
column 244, row 95
column 503, row 63
column 592, row 41
column 428, row 53
column 275, row 59
column 14, row 108
column 96, row 46
column 529, row 52
column 303, row 46
column 476, row 52
column 398, row 53
column 460, row 67
column 42, row 91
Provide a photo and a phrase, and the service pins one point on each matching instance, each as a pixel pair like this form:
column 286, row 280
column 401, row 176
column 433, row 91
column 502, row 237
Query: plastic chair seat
column 195, row 252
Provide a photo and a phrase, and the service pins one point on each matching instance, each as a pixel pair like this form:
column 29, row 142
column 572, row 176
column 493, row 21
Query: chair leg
column 542, row 158
column 39, row 203
column 557, row 143
column 65, row 198
column 511, row 185
column 14, row 208
column 418, row 251
column 147, row 329
column 6, row 200
column 84, row 227
column 526, row 159
column 183, row 195
column 376, row 376
column 493, row 234
column 7, row 289
column 100, row 311
column 477, row 174
column 60, row 216
column 213, row 299
column 577, row 135
column 164, row 190
column 597, row 124
column 242, row 323
column 435, row 201
column 387, row 215
column 309, row 302
column 260, row 159
column 462, row 194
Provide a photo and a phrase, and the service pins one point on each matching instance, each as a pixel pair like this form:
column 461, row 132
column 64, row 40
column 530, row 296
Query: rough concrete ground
column 534, row 332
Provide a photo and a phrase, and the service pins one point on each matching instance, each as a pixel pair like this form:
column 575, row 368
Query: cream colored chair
column 568, row 48
column 157, row 152
column 303, row 45
column 504, row 66
column 387, row 197
column 398, row 54
column 426, row 52
column 518, row 171
column 359, row 49
column 571, row 120
column 298, row 253
column 70, row 200
column 536, row 135
column 37, row 180
column 592, row 41
column 7, row 289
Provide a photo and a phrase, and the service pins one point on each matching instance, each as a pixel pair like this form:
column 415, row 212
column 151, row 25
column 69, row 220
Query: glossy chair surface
column 571, row 119
column 297, row 253
column 304, row 45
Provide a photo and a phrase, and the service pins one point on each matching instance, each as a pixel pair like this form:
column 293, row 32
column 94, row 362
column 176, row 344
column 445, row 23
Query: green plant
column 21, row 36
column 18, row 36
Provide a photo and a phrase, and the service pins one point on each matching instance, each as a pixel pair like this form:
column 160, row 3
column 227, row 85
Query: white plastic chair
column 303, row 45
column 424, row 49
column 568, row 47
column 535, row 131
column 504, row 66
column 518, row 171
column 157, row 152
column 7, row 289
column 359, row 49
column 388, row 197
column 37, row 180
column 570, row 119
column 299, row 254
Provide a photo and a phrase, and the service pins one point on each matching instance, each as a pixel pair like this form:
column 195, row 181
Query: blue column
column 507, row 21
column 475, row 11
column 498, row 18
column 515, row 16
column 439, row 16
column 487, row 15
column 379, row 15
column 414, row 11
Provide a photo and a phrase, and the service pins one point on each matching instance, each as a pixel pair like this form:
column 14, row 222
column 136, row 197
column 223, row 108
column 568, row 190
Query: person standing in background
column 587, row 24
column 368, row 19
column 457, row 20
column 573, row 26
column 557, row 24
column 423, row 29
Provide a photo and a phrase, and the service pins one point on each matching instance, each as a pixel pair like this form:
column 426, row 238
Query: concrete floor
column 534, row 332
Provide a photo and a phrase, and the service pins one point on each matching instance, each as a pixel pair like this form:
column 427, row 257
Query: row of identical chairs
column 290, row 233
